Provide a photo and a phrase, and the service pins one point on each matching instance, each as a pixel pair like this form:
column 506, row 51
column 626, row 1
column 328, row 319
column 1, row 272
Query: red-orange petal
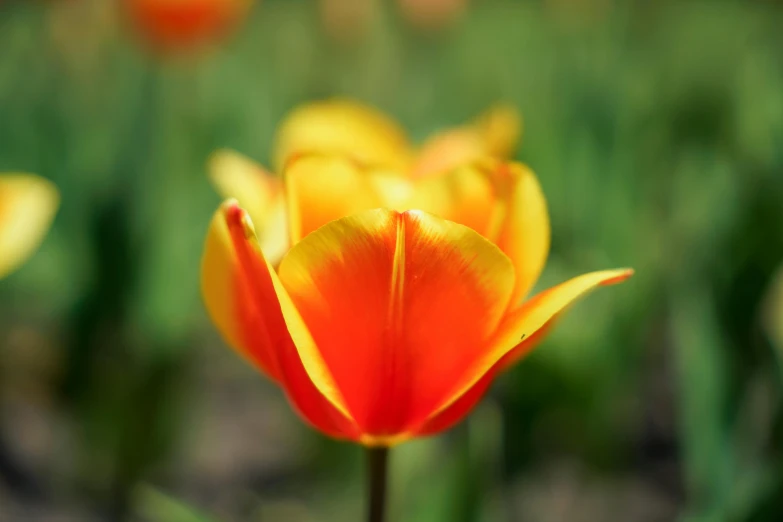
column 241, row 293
column 527, row 322
column 457, row 410
column 399, row 306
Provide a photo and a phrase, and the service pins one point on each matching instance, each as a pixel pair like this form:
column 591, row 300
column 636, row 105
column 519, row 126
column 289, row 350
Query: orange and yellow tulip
column 372, row 140
column 27, row 206
column 382, row 322
column 380, row 326
column 171, row 25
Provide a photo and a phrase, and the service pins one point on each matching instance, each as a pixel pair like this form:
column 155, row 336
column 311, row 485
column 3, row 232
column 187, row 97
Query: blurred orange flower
column 171, row 25
column 27, row 206
column 374, row 142
column 380, row 326
column 432, row 14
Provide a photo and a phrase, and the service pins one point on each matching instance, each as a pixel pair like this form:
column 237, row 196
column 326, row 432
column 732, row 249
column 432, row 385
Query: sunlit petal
column 448, row 150
column 502, row 201
column 343, row 127
column 27, row 206
column 395, row 191
column 524, row 233
column 399, row 305
column 321, row 189
column 465, row 195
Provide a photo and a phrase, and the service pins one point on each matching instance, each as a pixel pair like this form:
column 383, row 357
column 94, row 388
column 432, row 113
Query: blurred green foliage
column 656, row 129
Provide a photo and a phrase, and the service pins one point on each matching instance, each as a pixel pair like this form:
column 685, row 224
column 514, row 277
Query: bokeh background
column 656, row 129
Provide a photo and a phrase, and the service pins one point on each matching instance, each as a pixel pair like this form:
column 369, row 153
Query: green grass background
column 656, row 129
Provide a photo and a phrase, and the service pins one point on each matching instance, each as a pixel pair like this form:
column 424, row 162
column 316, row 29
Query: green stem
column 378, row 466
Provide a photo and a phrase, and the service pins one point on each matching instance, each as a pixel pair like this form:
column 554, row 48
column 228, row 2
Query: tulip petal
column 524, row 234
column 500, row 129
column 445, row 418
column 465, row 195
column 451, row 415
column 228, row 297
column 501, row 201
column 527, row 321
column 27, row 207
column 542, row 308
column 321, row 189
column 259, row 192
column 395, row 191
column 254, row 314
column 448, row 150
column 342, row 127
column 494, row 134
column 399, row 306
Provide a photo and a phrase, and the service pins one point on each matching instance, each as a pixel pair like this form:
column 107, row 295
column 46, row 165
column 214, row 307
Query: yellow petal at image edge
column 28, row 204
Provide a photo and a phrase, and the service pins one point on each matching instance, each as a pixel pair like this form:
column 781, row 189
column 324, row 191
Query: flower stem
column 378, row 465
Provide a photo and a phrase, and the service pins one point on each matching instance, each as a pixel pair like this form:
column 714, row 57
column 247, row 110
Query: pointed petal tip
column 238, row 218
column 221, row 158
column 623, row 274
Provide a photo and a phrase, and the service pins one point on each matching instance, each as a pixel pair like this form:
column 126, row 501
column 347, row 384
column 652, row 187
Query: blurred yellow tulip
column 495, row 133
column 343, row 126
column 28, row 204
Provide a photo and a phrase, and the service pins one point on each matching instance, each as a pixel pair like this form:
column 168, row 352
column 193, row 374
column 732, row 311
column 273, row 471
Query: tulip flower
column 372, row 140
column 27, row 206
column 171, row 25
column 382, row 325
